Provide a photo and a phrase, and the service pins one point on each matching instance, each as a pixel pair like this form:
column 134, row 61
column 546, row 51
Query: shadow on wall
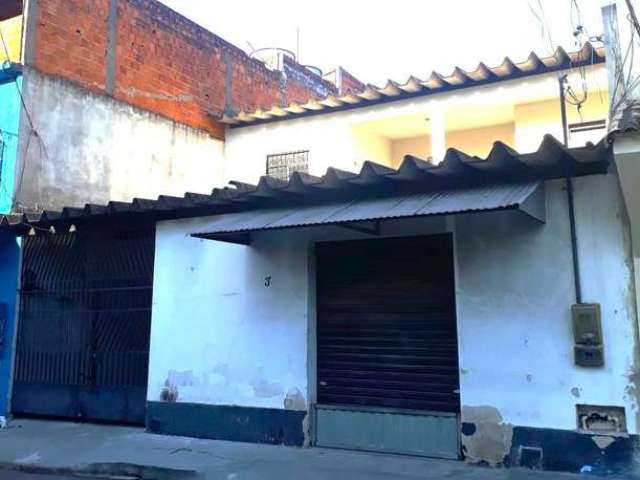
column 9, row 261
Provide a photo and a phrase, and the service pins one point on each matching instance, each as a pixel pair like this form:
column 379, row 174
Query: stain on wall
column 295, row 400
column 265, row 389
column 73, row 123
column 486, row 439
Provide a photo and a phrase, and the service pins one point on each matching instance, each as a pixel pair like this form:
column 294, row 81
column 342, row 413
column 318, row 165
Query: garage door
column 84, row 325
column 387, row 355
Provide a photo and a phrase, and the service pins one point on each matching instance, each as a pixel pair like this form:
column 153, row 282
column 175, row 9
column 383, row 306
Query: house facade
column 372, row 311
column 447, row 335
column 424, row 268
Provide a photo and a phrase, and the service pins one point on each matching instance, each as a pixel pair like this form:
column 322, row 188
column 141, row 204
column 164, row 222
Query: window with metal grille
column 282, row 165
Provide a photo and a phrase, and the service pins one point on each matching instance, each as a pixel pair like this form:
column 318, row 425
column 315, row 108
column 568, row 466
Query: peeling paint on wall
column 306, row 430
column 169, row 393
column 295, row 400
column 485, row 437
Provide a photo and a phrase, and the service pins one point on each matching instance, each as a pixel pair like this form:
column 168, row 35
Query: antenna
column 298, row 43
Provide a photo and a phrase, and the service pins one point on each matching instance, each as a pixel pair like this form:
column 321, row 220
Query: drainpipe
column 570, row 196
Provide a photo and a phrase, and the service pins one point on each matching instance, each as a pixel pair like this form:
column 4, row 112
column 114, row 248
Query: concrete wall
column 9, row 261
column 234, row 341
column 479, row 141
column 515, row 289
column 417, row 146
column 87, row 147
column 229, row 339
column 9, row 122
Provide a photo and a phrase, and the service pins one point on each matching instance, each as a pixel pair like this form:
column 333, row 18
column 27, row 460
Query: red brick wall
column 164, row 63
column 349, row 83
column 71, row 40
column 252, row 85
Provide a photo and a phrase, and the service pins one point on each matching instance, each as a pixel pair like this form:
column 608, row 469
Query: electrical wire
column 32, row 131
column 625, row 80
column 634, row 18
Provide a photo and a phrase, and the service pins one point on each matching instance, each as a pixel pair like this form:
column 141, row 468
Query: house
column 362, row 295
column 427, row 310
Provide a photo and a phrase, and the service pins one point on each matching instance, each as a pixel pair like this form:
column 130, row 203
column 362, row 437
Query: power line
column 32, row 130
column 634, row 18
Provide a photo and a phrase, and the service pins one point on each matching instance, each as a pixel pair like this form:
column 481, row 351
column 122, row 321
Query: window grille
column 582, row 133
column 282, row 165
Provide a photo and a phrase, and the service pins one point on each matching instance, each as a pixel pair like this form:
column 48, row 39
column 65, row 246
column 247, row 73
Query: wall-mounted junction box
column 587, row 335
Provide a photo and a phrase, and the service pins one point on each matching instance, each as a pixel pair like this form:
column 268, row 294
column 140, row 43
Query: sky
column 377, row 40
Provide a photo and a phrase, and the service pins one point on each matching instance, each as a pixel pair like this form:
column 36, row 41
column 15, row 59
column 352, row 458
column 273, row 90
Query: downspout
column 570, row 195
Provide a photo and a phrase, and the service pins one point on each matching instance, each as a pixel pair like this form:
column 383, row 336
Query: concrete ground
column 29, row 449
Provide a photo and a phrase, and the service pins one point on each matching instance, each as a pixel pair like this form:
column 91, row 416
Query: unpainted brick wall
column 349, row 83
column 164, row 63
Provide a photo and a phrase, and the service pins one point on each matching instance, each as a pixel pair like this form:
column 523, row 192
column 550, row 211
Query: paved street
column 67, row 447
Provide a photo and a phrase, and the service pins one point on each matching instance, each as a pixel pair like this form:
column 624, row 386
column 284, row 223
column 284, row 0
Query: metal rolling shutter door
column 386, row 324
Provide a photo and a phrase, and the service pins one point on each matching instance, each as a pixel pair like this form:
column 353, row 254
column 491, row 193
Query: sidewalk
column 57, row 447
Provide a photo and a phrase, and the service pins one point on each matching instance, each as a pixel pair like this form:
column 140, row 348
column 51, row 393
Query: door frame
column 312, row 339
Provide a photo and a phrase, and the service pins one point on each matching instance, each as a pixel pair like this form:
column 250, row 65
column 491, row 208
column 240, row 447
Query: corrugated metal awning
column 233, row 227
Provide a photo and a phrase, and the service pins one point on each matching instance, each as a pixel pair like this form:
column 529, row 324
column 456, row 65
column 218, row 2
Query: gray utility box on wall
column 587, row 334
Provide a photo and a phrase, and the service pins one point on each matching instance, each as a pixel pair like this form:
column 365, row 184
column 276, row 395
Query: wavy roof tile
column 415, row 87
column 502, row 165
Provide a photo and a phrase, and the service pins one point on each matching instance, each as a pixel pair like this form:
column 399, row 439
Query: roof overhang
column 457, row 172
column 527, row 198
column 10, row 9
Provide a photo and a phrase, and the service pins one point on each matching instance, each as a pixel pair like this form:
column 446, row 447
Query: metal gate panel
column 430, row 434
column 84, row 325
column 387, row 339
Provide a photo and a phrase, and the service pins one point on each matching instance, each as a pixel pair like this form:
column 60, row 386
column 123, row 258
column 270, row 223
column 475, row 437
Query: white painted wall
column 219, row 335
column 515, row 290
column 92, row 149
column 222, row 337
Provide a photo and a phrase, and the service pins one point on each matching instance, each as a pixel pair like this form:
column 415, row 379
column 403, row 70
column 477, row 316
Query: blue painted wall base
column 9, row 262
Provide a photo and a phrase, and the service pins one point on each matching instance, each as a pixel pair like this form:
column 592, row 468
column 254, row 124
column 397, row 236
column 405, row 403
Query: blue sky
column 377, row 40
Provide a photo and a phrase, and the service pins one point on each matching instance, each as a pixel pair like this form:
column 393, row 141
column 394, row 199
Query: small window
column 282, row 165
column 582, row 133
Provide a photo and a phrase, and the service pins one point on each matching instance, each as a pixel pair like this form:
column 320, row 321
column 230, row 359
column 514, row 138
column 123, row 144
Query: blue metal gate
column 84, row 325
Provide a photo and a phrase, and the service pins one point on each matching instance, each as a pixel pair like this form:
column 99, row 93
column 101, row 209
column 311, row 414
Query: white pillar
column 438, row 135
